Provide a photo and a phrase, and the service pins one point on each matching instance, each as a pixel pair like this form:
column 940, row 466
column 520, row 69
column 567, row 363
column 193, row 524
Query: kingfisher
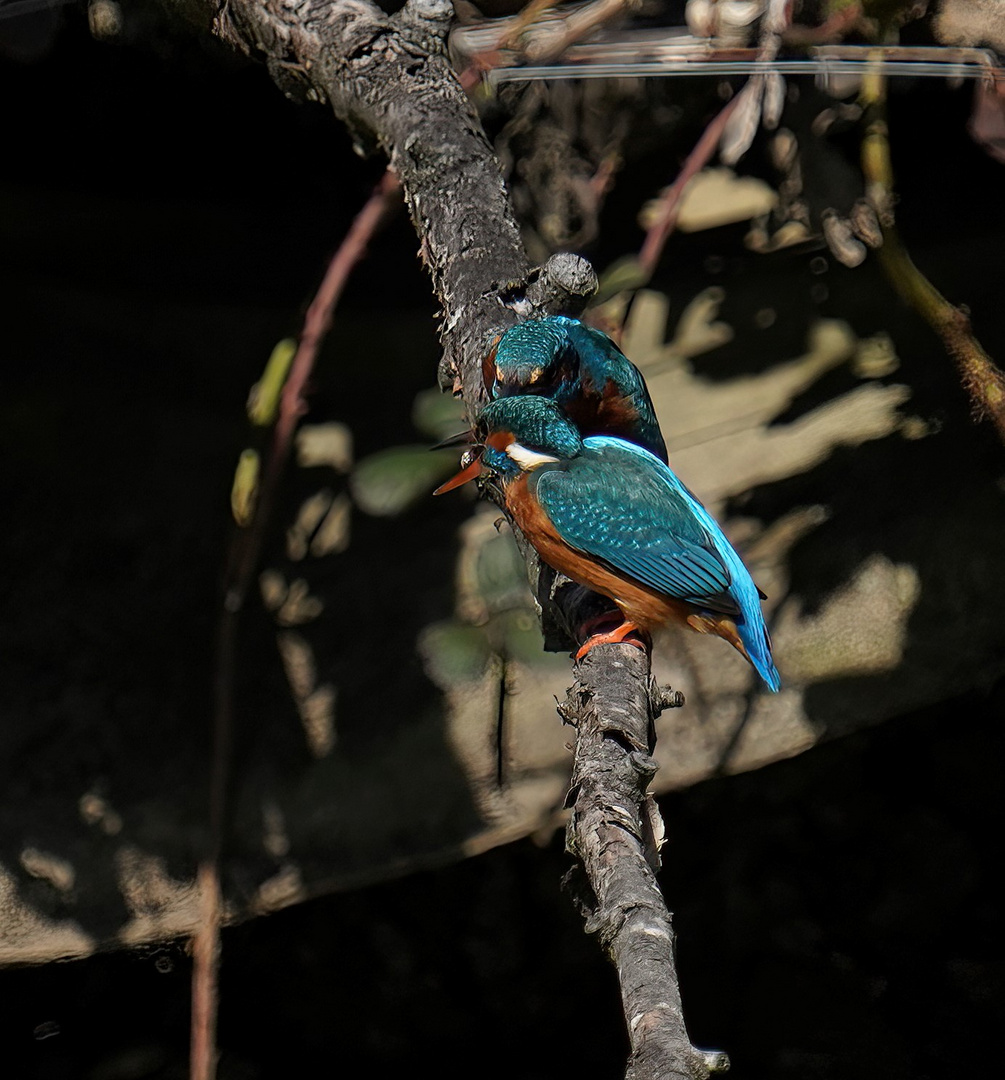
column 612, row 516
column 580, row 369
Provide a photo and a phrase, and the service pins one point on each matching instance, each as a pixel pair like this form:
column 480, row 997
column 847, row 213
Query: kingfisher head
column 515, row 435
column 530, row 358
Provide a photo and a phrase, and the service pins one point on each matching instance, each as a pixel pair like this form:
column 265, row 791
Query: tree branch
column 982, row 379
column 615, row 831
column 389, row 80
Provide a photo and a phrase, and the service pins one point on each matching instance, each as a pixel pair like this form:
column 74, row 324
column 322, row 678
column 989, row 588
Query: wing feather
column 619, row 503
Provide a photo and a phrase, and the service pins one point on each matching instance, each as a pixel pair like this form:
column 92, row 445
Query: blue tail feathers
column 754, row 635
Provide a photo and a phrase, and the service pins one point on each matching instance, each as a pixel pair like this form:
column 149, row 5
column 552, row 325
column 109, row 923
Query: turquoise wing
column 619, row 503
column 603, row 363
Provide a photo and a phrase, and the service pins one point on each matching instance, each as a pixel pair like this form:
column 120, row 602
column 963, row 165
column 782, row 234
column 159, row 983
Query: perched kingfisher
column 612, row 516
column 581, row 369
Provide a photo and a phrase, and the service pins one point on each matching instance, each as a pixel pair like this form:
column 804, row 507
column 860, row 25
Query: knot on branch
column 643, row 764
column 563, row 286
column 642, row 915
column 648, row 1060
column 715, row 1061
column 663, row 697
column 426, row 22
column 570, row 710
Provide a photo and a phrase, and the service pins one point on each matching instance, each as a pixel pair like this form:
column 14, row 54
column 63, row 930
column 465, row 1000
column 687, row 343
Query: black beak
column 460, row 439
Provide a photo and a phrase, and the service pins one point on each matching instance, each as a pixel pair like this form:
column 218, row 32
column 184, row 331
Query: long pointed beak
column 469, row 472
column 459, row 439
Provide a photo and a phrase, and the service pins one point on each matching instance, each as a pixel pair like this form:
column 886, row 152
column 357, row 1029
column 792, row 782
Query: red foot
column 627, row 633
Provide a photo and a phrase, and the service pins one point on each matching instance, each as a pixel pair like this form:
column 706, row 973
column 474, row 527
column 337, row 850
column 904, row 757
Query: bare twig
column 317, row 323
column 747, row 100
column 833, row 28
column 541, row 43
column 983, row 380
column 244, row 558
column 545, row 47
column 205, row 974
column 521, row 22
column 670, row 201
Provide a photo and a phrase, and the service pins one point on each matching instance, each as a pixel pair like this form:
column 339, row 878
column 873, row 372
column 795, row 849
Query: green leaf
column 453, row 653
column 521, row 632
column 244, row 491
column 263, row 401
column 390, row 481
column 438, row 415
column 624, row 275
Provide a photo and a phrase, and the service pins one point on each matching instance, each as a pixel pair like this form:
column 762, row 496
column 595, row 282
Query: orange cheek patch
column 499, row 440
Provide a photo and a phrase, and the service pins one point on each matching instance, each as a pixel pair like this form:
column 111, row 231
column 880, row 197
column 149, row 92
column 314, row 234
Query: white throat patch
column 528, row 459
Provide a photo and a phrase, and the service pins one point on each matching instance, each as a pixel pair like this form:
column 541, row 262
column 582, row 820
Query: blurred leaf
column 521, row 635
column 244, row 492
column 263, row 401
column 716, row 197
column 438, row 415
column 392, row 480
column 454, row 653
column 501, row 576
column 491, row 576
column 325, row 444
column 621, row 276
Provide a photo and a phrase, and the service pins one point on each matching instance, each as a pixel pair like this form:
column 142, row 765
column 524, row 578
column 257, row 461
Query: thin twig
column 834, row 28
column 317, row 323
column 205, row 974
column 983, row 380
column 243, row 561
column 527, row 15
column 670, row 201
column 573, row 28
column 545, row 42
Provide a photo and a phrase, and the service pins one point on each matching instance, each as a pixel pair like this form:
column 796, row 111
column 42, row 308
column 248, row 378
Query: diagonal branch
column 671, row 199
column 981, row 377
column 615, row 831
column 388, row 78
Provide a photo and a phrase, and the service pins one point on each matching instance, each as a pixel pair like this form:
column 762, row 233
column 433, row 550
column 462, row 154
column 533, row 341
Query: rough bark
column 387, row 77
column 615, row 831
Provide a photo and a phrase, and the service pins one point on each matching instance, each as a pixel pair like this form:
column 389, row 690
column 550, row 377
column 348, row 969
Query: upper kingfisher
column 581, row 369
column 612, row 516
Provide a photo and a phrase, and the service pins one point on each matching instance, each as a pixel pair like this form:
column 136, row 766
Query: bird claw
column 625, row 634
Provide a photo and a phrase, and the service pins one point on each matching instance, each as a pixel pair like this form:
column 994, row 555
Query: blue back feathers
column 618, row 503
column 582, row 370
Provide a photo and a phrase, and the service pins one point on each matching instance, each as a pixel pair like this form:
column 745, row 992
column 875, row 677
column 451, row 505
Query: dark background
column 838, row 915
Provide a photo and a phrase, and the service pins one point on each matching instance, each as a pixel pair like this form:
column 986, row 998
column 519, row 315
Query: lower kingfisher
column 581, row 369
column 614, row 517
